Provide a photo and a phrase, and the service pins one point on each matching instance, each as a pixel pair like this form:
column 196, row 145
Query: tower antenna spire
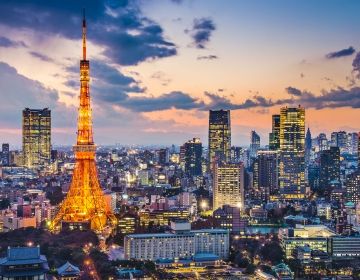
column 84, row 35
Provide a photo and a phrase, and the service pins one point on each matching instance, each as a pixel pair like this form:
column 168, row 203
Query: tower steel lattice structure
column 85, row 203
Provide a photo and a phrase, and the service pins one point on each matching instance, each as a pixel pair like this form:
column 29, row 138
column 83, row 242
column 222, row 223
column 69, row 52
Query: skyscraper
column 85, row 204
column 228, row 185
column 308, row 145
column 339, row 139
column 5, row 154
column 36, row 137
column 192, row 157
column 292, row 148
column 274, row 136
column 266, row 174
column 254, row 143
column 329, row 167
column 322, row 142
column 353, row 187
column 219, row 136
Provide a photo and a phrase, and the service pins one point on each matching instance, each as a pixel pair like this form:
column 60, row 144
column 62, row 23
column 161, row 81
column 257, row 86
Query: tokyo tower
column 85, row 206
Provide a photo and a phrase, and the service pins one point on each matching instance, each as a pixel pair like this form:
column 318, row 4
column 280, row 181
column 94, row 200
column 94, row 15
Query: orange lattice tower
column 85, row 205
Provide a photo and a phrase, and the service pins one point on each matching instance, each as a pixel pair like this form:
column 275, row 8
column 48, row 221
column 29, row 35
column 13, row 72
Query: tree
column 272, row 252
column 4, row 203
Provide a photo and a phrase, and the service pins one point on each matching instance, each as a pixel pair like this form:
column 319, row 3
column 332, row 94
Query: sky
column 158, row 66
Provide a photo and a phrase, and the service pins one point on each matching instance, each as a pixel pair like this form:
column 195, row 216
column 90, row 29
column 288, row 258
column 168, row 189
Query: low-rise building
column 345, row 246
column 180, row 243
column 23, row 263
column 228, row 217
column 314, row 236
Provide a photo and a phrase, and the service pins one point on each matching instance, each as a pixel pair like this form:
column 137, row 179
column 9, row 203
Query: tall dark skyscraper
column 353, row 187
column 358, row 151
column 292, row 149
column 36, row 137
column 266, row 173
column 254, row 143
column 274, row 136
column 219, row 136
column 192, row 157
column 5, row 154
column 329, row 167
column 308, row 145
column 339, row 139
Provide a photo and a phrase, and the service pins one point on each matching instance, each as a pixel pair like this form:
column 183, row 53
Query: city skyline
column 141, row 98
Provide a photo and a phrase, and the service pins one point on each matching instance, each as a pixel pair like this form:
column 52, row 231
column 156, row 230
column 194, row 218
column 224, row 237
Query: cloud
column 110, row 84
column 174, row 99
column 201, row 31
column 41, row 56
column 207, row 57
column 356, row 65
column 338, row 97
column 7, row 43
column 344, row 52
column 161, row 76
column 335, row 98
column 293, row 91
column 220, row 102
column 22, row 92
column 127, row 36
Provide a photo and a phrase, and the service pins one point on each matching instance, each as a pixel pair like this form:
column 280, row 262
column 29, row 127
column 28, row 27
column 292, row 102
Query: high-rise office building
column 358, row 151
column 292, row 148
column 5, row 154
column 254, row 143
column 36, row 137
column 339, row 139
column 274, row 136
column 192, row 157
column 329, row 167
column 322, row 142
column 163, row 156
column 228, row 185
column 219, row 136
column 353, row 187
column 308, row 145
column 352, row 143
column 265, row 174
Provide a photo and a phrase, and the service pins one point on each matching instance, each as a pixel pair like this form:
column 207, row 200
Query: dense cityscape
column 283, row 207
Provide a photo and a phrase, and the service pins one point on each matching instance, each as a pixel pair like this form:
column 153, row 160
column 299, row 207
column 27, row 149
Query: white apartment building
column 180, row 243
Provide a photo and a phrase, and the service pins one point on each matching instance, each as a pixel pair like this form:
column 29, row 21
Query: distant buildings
column 274, row 136
column 5, row 154
column 353, row 187
column 329, row 167
column 192, row 150
column 36, row 137
column 292, row 148
column 219, row 136
column 265, row 173
column 228, row 185
column 339, row 139
column 163, row 156
column 229, row 218
column 254, row 143
column 180, row 243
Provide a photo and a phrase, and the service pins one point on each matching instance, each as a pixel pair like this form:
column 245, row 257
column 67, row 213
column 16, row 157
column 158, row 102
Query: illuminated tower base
column 85, row 206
